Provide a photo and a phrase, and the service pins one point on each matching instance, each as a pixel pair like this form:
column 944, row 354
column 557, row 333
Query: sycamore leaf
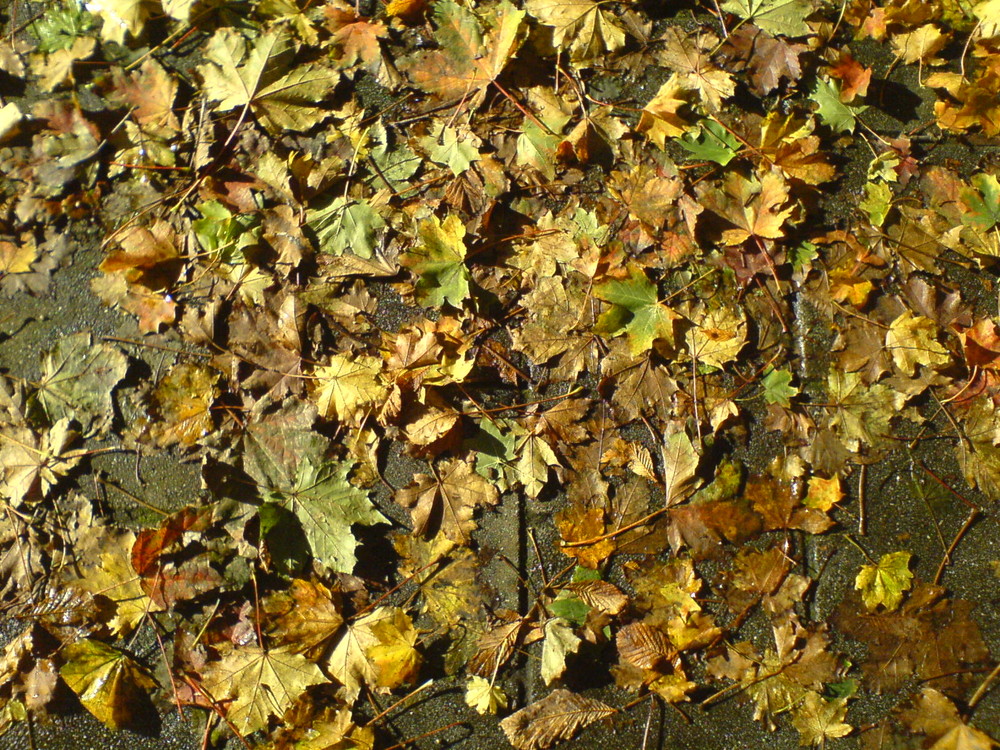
column 109, row 684
column 326, row 505
column 884, row 582
column 560, row 640
column 835, row 113
column 439, row 261
column 636, row 311
column 468, row 61
column 260, row 684
column 453, row 147
column 582, row 27
column 556, row 717
column 483, row 696
column 77, row 380
column 240, row 75
column 447, row 500
column 785, row 17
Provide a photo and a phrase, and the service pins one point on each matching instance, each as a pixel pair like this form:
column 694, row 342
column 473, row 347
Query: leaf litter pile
column 619, row 304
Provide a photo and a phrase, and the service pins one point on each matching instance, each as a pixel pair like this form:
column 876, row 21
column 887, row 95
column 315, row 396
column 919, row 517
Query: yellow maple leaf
column 349, row 387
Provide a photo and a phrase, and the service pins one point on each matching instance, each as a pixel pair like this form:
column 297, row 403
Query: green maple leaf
column 61, row 25
column 326, row 505
column 77, row 380
column 832, row 111
column 785, row 17
column 982, row 202
column 455, row 148
column 396, row 162
column 636, row 311
column 778, row 388
column 345, row 225
column 109, row 684
column 257, row 76
column 711, row 143
column 884, row 583
column 439, row 262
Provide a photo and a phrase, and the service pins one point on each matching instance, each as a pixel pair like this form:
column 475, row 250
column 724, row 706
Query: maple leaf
column 688, row 57
column 819, row 719
column 636, row 311
column 935, row 716
column 712, row 142
column 183, row 402
column 446, row 574
column 304, row 617
column 439, row 262
column 149, row 92
column 121, row 16
column 717, row 338
column 468, row 62
column 759, row 208
column 785, row 17
column 377, row 650
column 354, row 38
column 911, row 339
column 580, row 524
column 660, row 118
column 345, row 225
column 456, row 148
column 32, row 467
column 580, row 26
column 77, row 379
column 930, row 637
column 447, row 500
column 768, row 59
column 557, row 716
column 787, row 142
column 259, row 684
column 832, row 110
column 109, row 683
column 884, row 582
column 778, row 388
column 326, row 505
column 483, row 696
column 349, row 388
column 254, row 78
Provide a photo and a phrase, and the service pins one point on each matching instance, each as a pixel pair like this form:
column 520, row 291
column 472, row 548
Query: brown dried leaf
column 554, row 718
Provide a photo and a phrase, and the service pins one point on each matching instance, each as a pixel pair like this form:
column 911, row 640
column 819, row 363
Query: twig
column 861, row 499
column 973, row 514
column 984, row 687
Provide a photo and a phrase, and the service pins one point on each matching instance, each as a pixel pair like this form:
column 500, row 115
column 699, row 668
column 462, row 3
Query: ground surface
column 332, row 337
